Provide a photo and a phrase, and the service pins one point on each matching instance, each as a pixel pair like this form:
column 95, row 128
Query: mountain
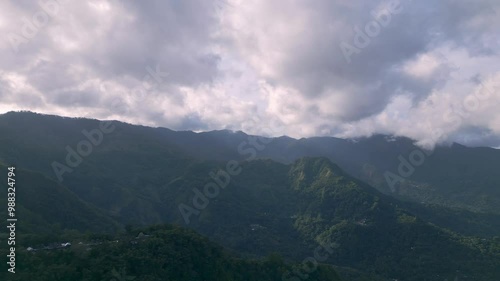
column 450, row 175
column 254, row 206
column 313, row 202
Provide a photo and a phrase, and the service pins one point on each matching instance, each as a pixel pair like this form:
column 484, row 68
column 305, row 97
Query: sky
column 427, row 70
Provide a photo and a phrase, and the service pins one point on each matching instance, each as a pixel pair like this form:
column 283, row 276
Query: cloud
column 225, row 63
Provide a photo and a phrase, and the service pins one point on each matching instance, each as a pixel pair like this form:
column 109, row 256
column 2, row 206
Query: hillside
column 45, row 206
column 159, row 253
column 141, row 176
column 451, row 176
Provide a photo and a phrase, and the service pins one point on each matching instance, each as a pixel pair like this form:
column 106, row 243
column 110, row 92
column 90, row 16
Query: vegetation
column 138, row 177
column 156, row 253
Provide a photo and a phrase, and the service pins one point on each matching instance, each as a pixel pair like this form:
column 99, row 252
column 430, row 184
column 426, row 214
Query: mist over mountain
column 257, row 196
column 231, row 140
column 451, row 175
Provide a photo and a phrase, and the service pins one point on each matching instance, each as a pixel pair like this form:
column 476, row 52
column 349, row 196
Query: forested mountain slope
column 136, row 175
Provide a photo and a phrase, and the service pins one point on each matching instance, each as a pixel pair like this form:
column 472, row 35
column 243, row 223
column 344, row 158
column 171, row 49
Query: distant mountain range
column 452, row 176
column 388, row 209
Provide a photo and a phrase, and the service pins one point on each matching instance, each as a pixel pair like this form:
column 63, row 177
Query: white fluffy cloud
column 417, row 69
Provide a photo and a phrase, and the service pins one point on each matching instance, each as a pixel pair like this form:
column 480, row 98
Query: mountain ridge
column 140, row 175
